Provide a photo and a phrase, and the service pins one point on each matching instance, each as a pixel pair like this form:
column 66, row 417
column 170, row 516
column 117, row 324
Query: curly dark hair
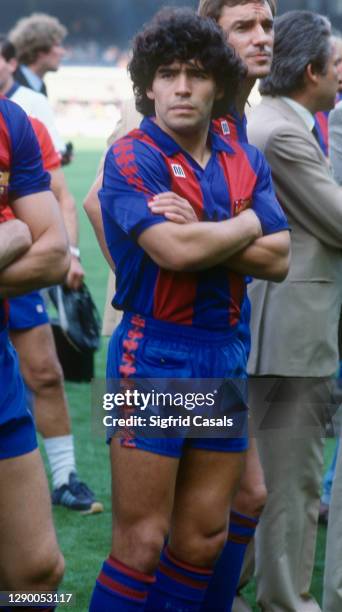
column 183, row 35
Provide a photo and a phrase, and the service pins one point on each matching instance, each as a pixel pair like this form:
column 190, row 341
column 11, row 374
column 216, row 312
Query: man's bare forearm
column 15, row 240
column 70, row 218
column 67, row 203
column 198, row 246
column 68, row 209
column 45, row 263
column 267, row 258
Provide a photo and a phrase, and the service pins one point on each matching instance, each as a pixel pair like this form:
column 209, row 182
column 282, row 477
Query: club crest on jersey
column 225, row 128
column 241, row 205
column 178, row 171
column 4, row 181
column 4, row 178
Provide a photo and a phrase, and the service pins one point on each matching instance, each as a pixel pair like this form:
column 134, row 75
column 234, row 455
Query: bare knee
column 37, row 573
column 199, row 549
column 44, row 373
column 56, row 572
column 140, row 544
column 250, row 499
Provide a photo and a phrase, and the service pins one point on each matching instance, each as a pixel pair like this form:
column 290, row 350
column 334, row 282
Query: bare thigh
column 43, row 374
column 206, row 484
column 143, row 486
column 38, row 357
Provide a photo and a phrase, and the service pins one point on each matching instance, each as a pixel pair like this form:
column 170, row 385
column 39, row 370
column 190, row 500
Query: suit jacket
column 19, row 77
column 335, row 142
column 294, row 323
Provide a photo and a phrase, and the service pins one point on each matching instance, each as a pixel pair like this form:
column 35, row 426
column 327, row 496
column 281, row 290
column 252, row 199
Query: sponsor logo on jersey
column 178, row 170
column 225, row 128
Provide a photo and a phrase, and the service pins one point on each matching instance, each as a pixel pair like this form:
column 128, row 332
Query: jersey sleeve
column 265, row 203
column 27, row 172
column 133, row 174
column 51, row 158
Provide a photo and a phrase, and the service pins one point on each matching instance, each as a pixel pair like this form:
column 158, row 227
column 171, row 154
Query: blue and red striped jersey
column 147, row 162
column 21, row 169
column 232, row 126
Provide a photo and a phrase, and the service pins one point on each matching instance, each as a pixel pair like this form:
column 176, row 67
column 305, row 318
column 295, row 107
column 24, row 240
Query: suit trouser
column 332, row 596
column 290, row 429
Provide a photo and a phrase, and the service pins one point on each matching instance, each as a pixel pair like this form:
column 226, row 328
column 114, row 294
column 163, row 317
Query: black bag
column 76, row 331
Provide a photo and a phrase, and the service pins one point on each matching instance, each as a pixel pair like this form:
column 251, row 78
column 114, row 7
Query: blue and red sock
column 179, row 586
column 119, row 587
column 224, row 583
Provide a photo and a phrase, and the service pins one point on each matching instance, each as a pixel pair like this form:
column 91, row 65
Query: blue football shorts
column 144, row 348
column 17, row 430
column 27, row 311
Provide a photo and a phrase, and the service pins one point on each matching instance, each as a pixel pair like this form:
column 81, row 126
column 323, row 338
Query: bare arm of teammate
column 47, row 261
column 15, row 240
column 67, row 203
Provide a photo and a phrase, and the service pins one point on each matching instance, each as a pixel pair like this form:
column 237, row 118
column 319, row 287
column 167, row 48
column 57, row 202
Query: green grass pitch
column 85, row 540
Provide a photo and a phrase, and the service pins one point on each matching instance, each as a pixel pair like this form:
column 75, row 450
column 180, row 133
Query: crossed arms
column 184, row 243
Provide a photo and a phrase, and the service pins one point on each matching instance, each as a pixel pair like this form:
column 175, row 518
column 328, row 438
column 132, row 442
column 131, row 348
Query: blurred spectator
column 33, row 103
column 38, row 40
column 294, row 324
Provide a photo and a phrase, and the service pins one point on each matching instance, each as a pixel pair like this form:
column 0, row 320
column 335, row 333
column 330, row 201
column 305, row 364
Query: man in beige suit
column 332, row 596
column 294, row 325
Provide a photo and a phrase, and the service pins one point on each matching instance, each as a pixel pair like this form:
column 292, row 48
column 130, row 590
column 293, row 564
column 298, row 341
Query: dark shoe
column 76, row 495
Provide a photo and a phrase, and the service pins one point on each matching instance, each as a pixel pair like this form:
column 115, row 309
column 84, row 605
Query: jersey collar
column 35, row 81
column 171, row 147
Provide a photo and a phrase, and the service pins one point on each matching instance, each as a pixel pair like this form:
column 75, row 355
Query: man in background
column 294, row 325
column 38, row 40
column 332, row 593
